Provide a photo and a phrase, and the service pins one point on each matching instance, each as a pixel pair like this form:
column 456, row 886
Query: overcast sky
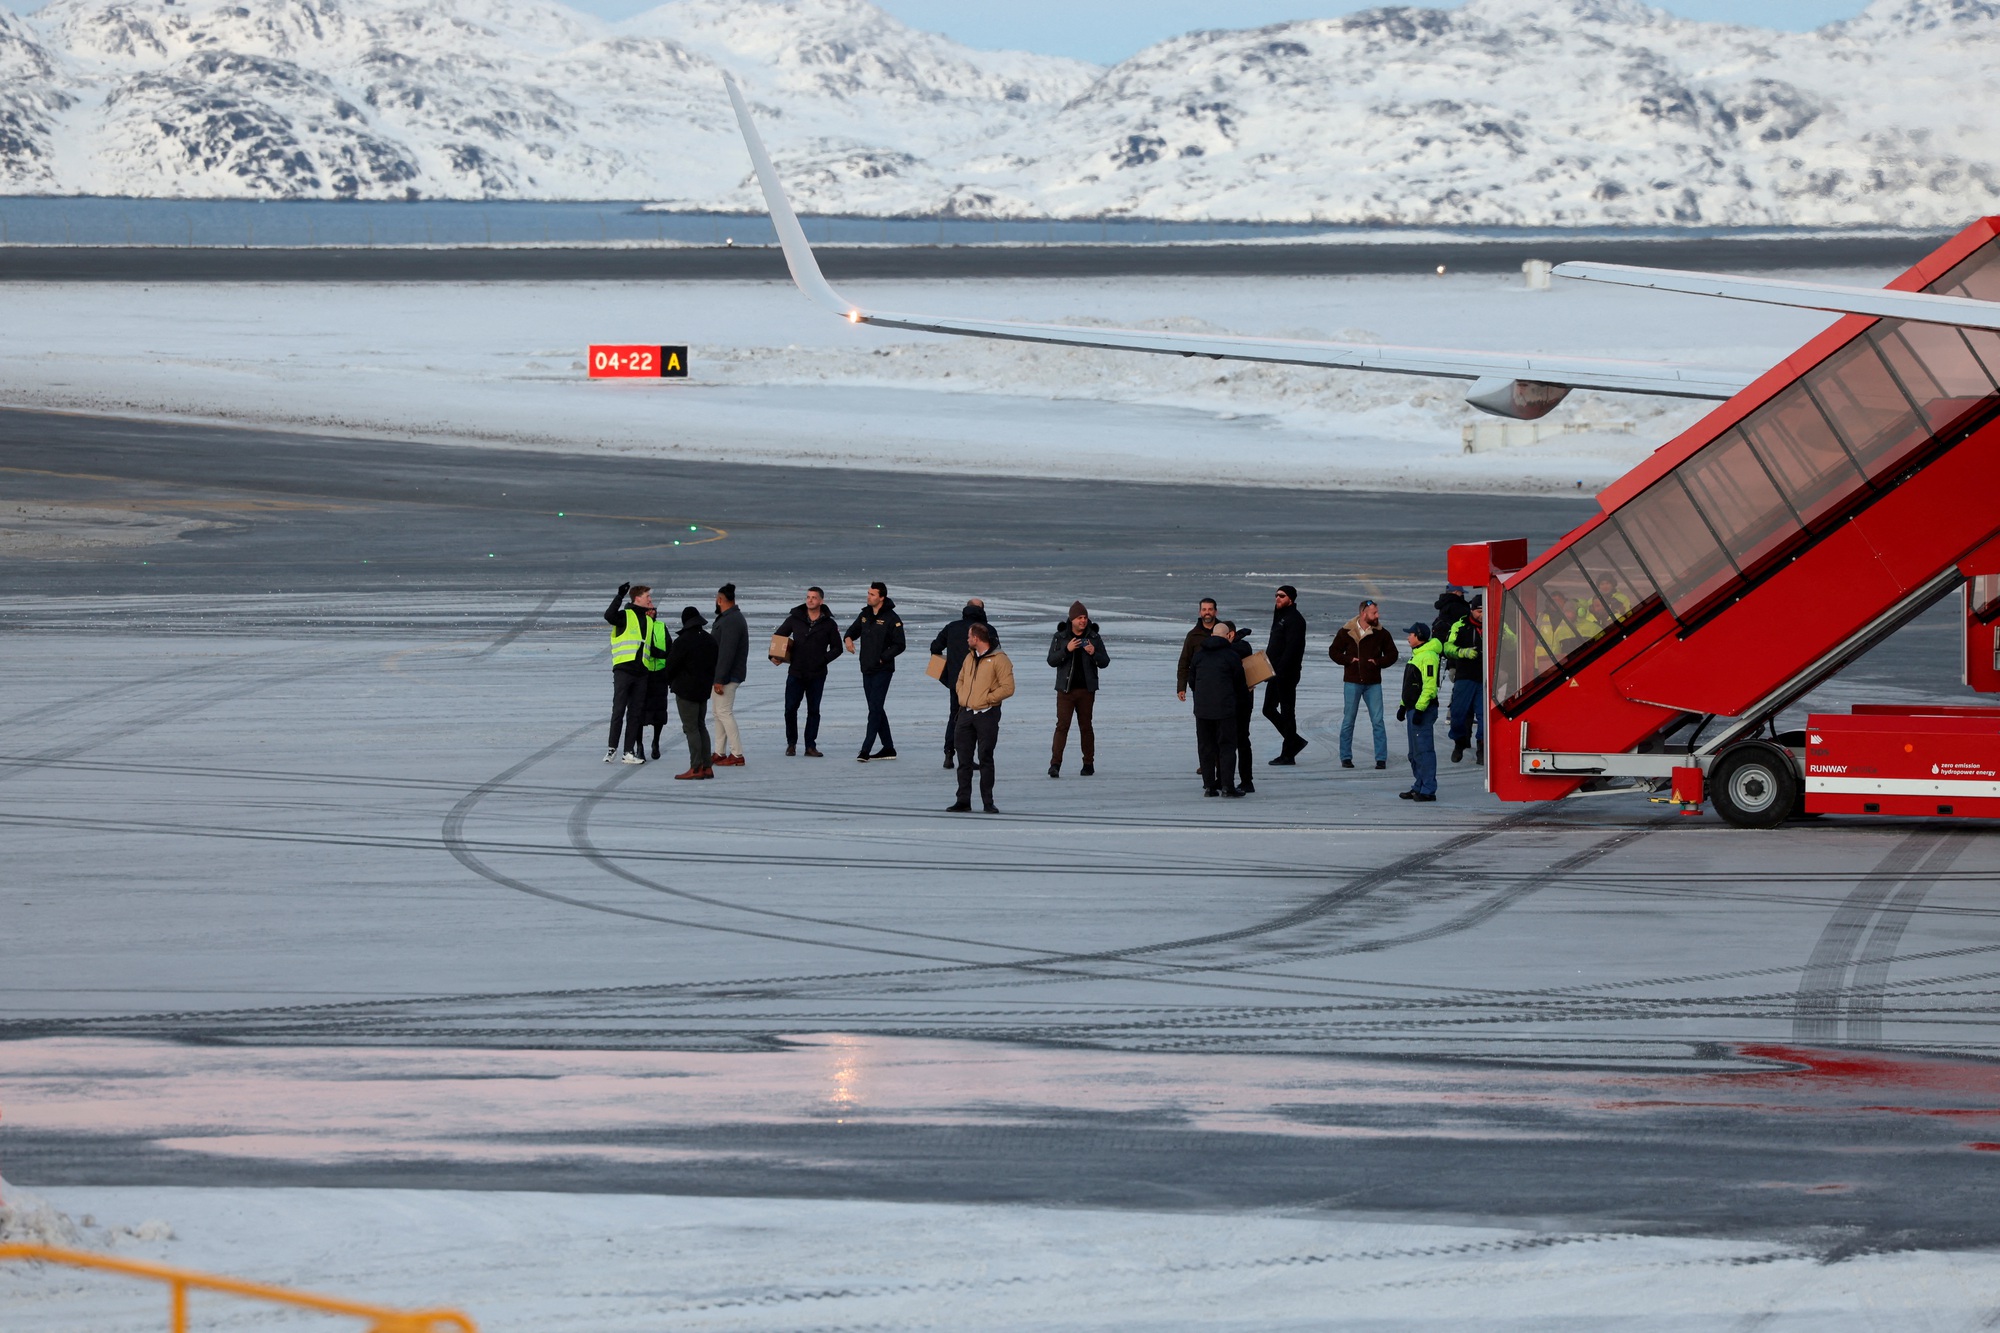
column 1107, row 31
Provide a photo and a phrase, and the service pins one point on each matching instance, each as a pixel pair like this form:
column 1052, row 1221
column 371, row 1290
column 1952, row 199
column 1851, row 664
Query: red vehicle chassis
column 1747, row 562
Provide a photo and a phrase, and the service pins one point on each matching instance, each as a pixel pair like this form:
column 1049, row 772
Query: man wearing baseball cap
column 1420, row 711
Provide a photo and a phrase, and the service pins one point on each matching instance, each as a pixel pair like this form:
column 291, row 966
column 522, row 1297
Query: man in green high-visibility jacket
column 631, row 626
column 1468, row 680
column 653, row 656
column 1420, row 711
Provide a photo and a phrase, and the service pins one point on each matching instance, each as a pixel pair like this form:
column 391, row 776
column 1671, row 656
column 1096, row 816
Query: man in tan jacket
column 984, row 680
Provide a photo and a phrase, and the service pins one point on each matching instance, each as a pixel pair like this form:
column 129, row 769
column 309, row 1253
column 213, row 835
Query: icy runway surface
column 774, row 379
column 316, row 880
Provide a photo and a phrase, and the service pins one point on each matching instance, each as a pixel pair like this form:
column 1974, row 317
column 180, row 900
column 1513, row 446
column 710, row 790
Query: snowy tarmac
column 316, row 881
column 774, row 379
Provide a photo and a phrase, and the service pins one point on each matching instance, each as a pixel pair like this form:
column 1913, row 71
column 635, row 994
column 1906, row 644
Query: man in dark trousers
column 1204, row 625
column 950, row 645
column 985, row 681
column 1287, row 651
column 1076, row 651
column 690, row 673
column 1468, row 681
column 815, row 643
column 876, row 638
column 631, row 627
column 1216, row 678
column 659, row 640
column 1363, row 650
column 1246, row 709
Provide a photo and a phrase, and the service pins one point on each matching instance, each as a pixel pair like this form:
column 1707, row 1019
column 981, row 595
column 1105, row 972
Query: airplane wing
column 1922, row 307
column 1507, row 384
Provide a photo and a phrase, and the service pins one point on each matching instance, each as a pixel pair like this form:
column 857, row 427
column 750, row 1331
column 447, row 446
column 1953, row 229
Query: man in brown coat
column 1363, row 648
column 985, row 679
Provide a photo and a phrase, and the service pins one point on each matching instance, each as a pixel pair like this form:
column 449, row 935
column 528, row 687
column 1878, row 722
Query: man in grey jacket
column 732, row 667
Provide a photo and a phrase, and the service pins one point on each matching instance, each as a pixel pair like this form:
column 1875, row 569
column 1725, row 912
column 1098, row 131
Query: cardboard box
column 1257, row 669
column 935, row 667
column 781, row 649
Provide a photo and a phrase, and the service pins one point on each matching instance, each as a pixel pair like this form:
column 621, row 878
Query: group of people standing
column 701, row 667
column 697, row 668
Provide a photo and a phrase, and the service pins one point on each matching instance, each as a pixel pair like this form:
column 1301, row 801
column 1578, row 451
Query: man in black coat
column 876, row 638
column 1451, row 607
column 815, row 644
column 1246, row 710
column 950, row 645
column 1215, row 678
column 1204, row 625
column 690, row 673
column 1287, row 651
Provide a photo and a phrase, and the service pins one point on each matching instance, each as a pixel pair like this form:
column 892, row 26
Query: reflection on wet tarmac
column 331, row 1105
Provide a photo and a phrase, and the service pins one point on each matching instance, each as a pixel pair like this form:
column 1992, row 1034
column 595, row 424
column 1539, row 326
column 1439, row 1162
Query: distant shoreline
column 684, row 263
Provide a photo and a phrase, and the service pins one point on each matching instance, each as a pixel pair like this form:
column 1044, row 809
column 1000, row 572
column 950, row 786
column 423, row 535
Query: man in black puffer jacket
column 1287, row 651
column 876, row 638
column 950, row 645
column 1076, row 651
column 815, row 643
column 1451, row 607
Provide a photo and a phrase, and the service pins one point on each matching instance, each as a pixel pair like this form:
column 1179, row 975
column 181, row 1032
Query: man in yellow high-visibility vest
column 631, row 627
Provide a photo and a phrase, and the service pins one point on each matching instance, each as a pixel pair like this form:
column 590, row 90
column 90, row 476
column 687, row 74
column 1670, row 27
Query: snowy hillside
column 1544, row 112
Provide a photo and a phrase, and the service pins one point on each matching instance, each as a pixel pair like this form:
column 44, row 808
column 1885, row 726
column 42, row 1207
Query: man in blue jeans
column 1420, row 711
column 1362, row 650
column 1468, row 680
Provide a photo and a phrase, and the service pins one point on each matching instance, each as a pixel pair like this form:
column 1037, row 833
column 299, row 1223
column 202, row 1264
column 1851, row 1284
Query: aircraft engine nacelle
column 1522, row 400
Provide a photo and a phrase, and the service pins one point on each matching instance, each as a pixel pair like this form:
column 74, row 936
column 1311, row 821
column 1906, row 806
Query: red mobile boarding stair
column 1795, row 527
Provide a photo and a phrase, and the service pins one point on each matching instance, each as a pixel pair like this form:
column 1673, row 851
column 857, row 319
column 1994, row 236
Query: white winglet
column 1921, row 307
column 1505, row 383
column 798, row 254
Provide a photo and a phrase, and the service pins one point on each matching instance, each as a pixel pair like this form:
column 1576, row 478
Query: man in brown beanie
column 1076, row 651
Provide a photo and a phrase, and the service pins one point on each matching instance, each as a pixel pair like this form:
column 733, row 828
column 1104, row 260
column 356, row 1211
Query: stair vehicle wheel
column 1754, row 786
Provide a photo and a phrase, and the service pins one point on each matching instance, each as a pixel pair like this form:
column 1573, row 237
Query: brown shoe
column 688, row 776
column 706, row 773
column 812, row 753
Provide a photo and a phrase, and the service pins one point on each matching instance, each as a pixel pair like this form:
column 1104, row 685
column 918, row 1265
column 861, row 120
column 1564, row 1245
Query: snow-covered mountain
column 1540, row 112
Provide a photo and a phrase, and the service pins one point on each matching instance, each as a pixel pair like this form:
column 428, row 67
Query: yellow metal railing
column 180, row 1281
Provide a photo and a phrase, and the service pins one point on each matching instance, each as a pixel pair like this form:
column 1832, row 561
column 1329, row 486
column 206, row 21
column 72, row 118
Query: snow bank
column 612, row 1263
column 29, row 1219
column 775, row 380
